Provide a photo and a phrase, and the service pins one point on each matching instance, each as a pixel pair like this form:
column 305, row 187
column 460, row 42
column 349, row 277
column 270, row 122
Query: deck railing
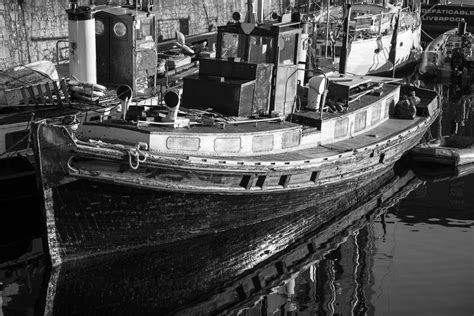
column 364, row 26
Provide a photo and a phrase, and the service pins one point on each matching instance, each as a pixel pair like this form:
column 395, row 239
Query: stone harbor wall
column 195, row 17
column 30, row 30
column 37, row 30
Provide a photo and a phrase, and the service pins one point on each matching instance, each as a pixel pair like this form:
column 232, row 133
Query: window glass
column 287, row 43
column 145, row 29
column 120, row 29
column 261, row 50
column 233, row 45
column 99, row 27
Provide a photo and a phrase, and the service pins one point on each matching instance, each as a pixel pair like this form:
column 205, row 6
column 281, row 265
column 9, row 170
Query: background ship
column 439, row 16
column 383, row 35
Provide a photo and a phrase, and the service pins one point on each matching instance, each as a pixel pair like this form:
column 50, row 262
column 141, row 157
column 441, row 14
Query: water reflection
column 448, row 203
column 22, row 281
column 425, row 264
column 415, row 259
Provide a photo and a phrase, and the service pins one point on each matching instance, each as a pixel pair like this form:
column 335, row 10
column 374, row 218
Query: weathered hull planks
column 88, row 218
column 251, row 257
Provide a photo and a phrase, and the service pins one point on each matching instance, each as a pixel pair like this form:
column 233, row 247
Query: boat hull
column 106, row 210
column 437, row 19
column 86, row 218
column 255, row 258
column 364, row 58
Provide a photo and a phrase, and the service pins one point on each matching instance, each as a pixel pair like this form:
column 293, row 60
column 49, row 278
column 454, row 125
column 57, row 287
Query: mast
column 392, row 56
column 259, row 11
column 250, row 17
column 345, row 41
column 327, row 32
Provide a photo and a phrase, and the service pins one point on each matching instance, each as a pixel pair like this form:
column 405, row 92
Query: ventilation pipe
column 317, row 86
column 82, row 56
column 302, row 52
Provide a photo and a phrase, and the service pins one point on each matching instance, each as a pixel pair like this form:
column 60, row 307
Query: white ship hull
column 371, row 33
column 363, row 59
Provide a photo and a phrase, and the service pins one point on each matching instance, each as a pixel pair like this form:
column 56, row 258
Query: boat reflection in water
column 264, row 267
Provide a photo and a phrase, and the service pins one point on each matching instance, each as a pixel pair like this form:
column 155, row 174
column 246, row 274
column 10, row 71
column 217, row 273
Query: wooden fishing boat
column 247, row 140
column 451, row 53
column 381, row 37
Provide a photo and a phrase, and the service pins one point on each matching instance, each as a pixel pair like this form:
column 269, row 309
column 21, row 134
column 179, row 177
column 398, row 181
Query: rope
column 135, row 153
column 427, row 34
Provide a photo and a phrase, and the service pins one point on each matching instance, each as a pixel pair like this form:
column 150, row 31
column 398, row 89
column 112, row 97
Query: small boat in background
column 449, row 150
column 451, row 53
column 382, row 36
column 445, row 158
column 439, row 16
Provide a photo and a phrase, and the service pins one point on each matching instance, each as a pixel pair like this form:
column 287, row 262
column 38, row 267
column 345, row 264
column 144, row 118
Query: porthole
column 99, row 27
column 120, row 29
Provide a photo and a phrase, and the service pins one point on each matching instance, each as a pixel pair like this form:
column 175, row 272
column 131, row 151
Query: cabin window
column 340, row 128
column 364, row 23
column 233, row 45
column 183, row 143
column 145, row 28
column 291, row 139
column 16, row 140
column 287, row 45
column 360, row 121
column 261, row 49
column 262, row 143
column 227, row 144
column 376, row 111
column 99, row 27
column 389, row 106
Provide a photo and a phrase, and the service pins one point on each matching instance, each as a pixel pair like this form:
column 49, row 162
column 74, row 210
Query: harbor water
column 412, row 256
